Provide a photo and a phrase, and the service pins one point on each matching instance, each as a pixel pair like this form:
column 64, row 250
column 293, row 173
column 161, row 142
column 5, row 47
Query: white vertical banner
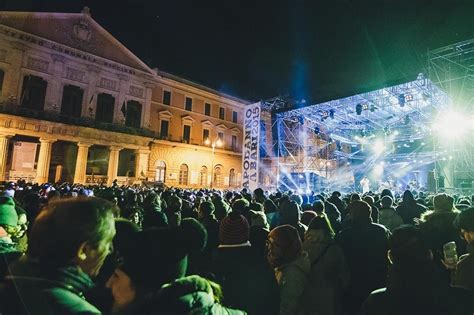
column 251, row 147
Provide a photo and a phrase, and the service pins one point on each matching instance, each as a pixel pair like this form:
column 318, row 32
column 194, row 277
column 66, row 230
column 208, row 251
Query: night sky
column 314, row 50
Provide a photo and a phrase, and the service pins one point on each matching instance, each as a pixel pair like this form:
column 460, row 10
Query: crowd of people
column 74, row 249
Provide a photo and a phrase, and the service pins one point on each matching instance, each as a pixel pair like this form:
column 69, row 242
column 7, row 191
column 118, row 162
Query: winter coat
column 247, row 281
column 389, row 218
column 293, row 279
column 328, row 278
column 8, row 255
column 34, row 289
column 439, row 229
column 409, row 211
column 418, row 292
column 189, row 295
column 465, row 269
column 365, row 247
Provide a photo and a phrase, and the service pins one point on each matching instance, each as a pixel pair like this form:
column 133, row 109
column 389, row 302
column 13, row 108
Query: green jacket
column 33, row 289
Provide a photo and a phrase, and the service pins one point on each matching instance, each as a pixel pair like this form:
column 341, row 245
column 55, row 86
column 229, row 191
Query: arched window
column 232, row 179
column 218, row 176
column 183, row 175
column 160, row 171
column 203, row 176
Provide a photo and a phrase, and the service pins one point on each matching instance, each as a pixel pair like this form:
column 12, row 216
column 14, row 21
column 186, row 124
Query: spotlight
column 365, row 106
column 408, row 97
column 453, row 125
column 372, row 108
column 316, row 130
column 378, row 146
column 331, row 113
column 359, row 109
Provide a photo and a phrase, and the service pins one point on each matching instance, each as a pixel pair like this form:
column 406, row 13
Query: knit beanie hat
column 160, row 254
column 285, row 245
column 443, row 202
column 234, row 229
column 8, row 215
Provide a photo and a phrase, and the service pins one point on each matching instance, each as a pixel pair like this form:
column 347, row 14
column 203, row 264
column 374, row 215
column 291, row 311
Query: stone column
column 81, row 163
column 3, row 156
column 44, row 158
column 113, row 164
column 141, row 163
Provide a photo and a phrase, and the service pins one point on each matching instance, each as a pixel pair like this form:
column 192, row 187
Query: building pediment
column 207, row 123
column 78, row 31
column 235, row 131
column 221, row 127
column 188, row 119
column 165, row 115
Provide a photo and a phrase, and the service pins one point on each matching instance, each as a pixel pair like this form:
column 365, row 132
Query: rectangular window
column 205, row 134
column 166, row 97
column 186, row 133
column 234, row 116
column 164, row 129
column 221, row 113
column 234, row 143
column 188, row 104
column 207, row 109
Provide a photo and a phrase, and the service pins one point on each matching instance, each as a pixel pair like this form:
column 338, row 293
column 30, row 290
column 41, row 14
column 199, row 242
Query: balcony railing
column 13, row 109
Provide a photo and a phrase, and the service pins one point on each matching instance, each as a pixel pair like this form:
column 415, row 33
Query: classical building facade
column 76, row 105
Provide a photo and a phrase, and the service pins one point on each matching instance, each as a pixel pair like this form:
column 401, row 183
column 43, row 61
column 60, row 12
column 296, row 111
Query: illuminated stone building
column 76, row 105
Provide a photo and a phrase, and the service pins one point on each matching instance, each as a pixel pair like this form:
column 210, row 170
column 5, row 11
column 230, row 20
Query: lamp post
column 217, row 141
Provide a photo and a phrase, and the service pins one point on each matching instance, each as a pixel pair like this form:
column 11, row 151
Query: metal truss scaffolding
column 452, row 68
column 318, row 138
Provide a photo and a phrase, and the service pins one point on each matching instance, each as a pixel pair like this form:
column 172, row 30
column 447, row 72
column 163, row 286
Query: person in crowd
column 308, row 215
column 173, row 211
column 236, row 265
column 413, row 285
column 464, row 275
column 221, row 206
column 259, row 230
column 9, row 228
column 329, row 275
column 438, row 228
column 290, row 213
column 207, row 218
column 67, row 246
column 291, row 266
column 271, row 211
column 375, row 211
column 365, row 247
column 409, row 210
column 332, row 213
column 242, row 206
column 336, row 200
column 159, row 256
column 388, row 216
column 192, row 295
column 259, row 195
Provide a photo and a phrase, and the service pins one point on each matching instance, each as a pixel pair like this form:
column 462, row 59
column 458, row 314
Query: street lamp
column 217, row 142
